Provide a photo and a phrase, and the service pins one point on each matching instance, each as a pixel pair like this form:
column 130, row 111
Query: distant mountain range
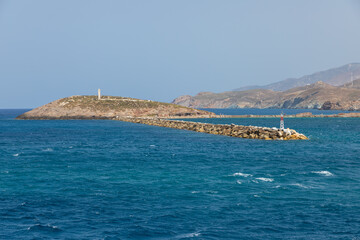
column 332, row 89
column 334, row 76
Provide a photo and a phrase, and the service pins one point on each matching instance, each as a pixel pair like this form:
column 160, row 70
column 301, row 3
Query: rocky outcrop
column 316, row 96
column 232, row 130
column 108, row 107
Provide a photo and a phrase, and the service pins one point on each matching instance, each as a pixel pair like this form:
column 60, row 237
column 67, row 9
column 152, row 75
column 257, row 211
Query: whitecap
column 48, row 150
column 324, row 173
column 152, row 146
column 188, row 235
column 238, row 182
column 44, row 227
column 16, row 154
column 299, row 185
column 212, row 192
column 242, row 174
column 265, row 179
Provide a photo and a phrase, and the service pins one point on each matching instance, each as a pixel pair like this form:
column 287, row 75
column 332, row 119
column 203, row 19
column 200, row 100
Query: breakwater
column 232, row 130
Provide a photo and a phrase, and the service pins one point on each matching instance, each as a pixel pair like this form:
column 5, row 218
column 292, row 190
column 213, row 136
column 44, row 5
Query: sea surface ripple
column 116, row 180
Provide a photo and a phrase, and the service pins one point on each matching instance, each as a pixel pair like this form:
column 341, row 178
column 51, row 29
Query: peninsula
column 108, row 107
column 149, row 113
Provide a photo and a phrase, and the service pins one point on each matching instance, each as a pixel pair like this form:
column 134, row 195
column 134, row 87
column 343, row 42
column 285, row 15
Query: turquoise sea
column 101, row 179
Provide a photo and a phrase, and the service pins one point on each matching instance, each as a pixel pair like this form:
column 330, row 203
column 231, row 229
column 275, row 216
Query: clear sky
column 160, row 49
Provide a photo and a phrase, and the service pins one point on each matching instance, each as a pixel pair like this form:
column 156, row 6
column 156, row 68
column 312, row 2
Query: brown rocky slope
column 108, row 107
column 315, row 96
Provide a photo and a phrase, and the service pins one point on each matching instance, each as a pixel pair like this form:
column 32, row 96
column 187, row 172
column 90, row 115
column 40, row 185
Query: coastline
column 298, row 115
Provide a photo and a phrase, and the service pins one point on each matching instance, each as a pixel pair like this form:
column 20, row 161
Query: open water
column 116, row 180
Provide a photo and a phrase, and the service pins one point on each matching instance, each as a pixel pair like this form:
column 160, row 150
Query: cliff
column 315, row 96
column 108, row 107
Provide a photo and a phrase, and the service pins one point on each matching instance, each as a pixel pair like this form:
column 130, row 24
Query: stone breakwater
column 232, row 130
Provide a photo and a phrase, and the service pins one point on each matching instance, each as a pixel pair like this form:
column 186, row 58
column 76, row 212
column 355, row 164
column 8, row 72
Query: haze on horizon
column 162, row 49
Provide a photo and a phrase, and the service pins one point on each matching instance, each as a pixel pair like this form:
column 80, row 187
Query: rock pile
column 232, row 130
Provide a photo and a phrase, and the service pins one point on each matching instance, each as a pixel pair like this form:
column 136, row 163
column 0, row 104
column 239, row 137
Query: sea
column 102, row 179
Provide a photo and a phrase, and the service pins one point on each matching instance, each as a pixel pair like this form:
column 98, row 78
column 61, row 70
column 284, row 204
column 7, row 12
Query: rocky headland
column 109, row 107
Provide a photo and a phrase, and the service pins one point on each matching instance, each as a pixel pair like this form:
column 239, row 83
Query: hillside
column 315, row 96
column 353, row 84
column 334, row 76
column 108, row 107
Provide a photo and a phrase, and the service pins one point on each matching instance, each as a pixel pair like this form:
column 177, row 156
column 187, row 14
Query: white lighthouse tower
column 282, row 122
column 99, row 94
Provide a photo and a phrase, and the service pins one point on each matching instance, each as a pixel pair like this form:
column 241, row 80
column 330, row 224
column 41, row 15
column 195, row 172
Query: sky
column 161, row 49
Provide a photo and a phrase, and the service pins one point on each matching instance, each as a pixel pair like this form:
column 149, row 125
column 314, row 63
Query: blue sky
column 158, row 50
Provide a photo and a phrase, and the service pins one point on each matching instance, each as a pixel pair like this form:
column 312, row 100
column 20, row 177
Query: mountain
column 319, row 95
column 334, row 76
column 108, row 107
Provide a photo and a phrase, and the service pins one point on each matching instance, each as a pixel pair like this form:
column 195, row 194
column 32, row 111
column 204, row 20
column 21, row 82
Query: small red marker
column 282, row 122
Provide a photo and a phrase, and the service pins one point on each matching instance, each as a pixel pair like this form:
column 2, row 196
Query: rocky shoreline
column 299, row 115
column 250, row 132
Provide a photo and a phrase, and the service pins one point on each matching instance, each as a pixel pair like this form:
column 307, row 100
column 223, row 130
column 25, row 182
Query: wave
column 16, row 154
column 238, row 182
column 265, row 179
column 242, row 174
column 39, row 227
column 299, row 185
column 48, row 150
column 324, row 173
column 188, row 235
